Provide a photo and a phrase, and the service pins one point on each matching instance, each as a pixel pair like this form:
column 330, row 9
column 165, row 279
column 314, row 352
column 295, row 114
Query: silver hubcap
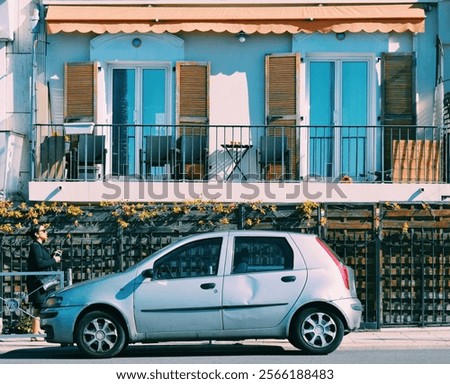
column 319, row 330
column 100, row 335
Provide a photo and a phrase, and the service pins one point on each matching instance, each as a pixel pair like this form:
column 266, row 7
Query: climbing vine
column 198, row 214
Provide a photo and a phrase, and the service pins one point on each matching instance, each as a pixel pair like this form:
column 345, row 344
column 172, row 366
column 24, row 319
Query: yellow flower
column 176, row 209
column 122, row 223
column 74, row 210
column 405, row 228
column 7, row 228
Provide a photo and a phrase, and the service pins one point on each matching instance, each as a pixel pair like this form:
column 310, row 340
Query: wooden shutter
column 398, row 107
column 398, row 89
column 192, row 95
column 282, row 116
column 80, row 89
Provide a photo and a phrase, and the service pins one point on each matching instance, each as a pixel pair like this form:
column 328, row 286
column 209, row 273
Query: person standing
column 39, row 260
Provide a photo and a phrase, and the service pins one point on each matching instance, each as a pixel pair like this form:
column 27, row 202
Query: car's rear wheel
column 100, row 334
column 316, row 331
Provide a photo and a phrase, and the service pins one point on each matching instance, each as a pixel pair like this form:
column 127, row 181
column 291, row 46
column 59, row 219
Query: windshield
column 174, row 244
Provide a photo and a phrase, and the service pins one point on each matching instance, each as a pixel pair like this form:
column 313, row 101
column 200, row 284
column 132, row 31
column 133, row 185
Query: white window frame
column 371, row 60
column 140, row 66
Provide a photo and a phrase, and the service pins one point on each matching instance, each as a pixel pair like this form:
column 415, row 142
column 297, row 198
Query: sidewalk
column 398, row 338
column 386, row 338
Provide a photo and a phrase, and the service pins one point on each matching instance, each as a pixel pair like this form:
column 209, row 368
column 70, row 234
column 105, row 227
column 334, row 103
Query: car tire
column 316, row 331
column 100, row 334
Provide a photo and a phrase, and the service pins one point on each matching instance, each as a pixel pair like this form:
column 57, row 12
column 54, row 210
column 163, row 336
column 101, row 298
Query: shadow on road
column 180, row 350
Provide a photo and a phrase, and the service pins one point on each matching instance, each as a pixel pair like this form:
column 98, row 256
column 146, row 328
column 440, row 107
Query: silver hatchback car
column 213, row 286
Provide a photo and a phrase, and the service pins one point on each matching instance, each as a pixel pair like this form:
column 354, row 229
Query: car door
column 265, row 278
column 184, row 294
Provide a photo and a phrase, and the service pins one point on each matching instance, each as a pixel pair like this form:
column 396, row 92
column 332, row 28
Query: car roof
column 253, row 232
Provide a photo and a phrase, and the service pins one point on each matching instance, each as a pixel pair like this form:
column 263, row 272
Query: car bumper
column 351, row 308
column 59, row 323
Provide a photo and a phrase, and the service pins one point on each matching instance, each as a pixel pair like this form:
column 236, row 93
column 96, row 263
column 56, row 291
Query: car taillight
column 342, row 268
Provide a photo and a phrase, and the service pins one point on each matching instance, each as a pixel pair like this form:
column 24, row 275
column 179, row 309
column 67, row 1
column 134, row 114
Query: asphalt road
column 386, row 346
column 369, row 357
column 230, row 353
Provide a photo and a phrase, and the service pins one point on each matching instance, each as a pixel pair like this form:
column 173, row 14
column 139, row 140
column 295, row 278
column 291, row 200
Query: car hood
column 108, row 288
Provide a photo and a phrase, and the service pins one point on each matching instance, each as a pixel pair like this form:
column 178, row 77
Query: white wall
column 237, row 88
column 3, row 94
column 15, row 108
column 237, row 69
column 137, row 191
column 3, row 133
column 425, row 48
column 63, row 48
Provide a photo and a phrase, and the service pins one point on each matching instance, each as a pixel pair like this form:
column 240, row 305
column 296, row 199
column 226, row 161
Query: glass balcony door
column 139, row 111
column 339, row 114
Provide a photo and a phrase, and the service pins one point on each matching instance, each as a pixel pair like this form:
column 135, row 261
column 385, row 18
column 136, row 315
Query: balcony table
column 236, row 151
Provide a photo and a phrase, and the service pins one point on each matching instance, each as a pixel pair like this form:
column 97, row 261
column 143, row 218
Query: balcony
column 241, row 153
column 269, row 163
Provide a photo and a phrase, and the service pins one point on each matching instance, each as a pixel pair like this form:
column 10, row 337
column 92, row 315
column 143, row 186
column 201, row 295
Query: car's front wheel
column 316, row 331
column 100, row 334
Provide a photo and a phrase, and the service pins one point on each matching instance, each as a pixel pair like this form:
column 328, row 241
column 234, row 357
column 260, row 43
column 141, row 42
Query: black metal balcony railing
column 394, row 154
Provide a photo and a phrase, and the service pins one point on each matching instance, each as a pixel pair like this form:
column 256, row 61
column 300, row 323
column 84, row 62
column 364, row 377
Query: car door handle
column 288, row 279
column 207, row 285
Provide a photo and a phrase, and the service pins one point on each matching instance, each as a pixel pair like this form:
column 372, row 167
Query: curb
column 385, row 338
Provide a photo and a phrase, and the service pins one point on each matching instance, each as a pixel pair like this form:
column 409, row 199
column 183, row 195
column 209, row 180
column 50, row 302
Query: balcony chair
column 91, row 154
column 274, row 158
column 159, row 157
column 192, row 157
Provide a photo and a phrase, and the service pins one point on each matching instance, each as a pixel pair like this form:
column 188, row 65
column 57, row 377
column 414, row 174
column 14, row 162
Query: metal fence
column 365, row 154
column 401, row 280
column 401, row 256
column 16, row 309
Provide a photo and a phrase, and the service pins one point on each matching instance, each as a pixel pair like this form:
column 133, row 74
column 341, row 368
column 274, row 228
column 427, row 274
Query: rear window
column 262, row 254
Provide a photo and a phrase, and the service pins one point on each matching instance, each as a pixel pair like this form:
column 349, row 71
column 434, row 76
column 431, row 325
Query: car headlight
column 53, row 301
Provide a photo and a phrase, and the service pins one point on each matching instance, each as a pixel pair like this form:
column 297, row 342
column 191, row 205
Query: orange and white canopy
column 248, row 19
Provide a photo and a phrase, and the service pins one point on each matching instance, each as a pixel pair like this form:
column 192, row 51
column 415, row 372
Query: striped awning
column 251, row 19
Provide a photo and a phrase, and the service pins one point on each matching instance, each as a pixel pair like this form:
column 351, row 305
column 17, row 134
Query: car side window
column 261, row 254
column 200, row 258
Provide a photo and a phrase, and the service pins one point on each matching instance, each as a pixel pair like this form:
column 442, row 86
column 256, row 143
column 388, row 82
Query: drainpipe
column 35, row 25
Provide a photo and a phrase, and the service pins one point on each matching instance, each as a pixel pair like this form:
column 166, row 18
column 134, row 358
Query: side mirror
column 147, row 273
